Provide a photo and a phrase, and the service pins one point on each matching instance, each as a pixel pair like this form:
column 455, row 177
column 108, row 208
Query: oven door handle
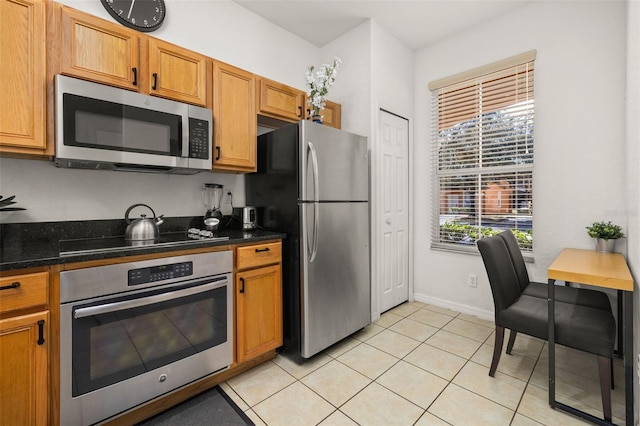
column 144, row 301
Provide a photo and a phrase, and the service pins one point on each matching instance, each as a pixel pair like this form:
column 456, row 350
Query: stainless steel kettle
column 142, row 229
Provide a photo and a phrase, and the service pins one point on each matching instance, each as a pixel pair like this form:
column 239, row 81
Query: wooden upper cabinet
column 98, row 50
column 23, row 82
column 102, row 51
column 332, row 114
column 177, row 73
column 280, row 101
column 234, row 119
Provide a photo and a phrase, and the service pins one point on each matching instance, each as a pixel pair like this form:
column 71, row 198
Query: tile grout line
column 388, row 324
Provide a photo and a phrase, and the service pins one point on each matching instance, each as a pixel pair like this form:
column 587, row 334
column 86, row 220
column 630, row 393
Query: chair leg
column 604, row 370
column 613, row 386
column 497, row 350
column 512, row 340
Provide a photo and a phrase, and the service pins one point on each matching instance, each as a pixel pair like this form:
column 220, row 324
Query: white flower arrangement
column 319, row 83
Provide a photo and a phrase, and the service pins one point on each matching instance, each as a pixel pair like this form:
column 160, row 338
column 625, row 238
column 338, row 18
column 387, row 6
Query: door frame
column 376, row 205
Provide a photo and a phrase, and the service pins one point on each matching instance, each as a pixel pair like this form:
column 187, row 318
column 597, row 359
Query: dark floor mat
column 213, row 407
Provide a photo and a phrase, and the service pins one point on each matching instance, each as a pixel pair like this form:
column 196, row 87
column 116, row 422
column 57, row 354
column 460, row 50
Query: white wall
column 580, row 134
column 633, row 159
column 377, row 72
column 219, row 29
column 352, row 88
column 391, row 89
column 223, row 30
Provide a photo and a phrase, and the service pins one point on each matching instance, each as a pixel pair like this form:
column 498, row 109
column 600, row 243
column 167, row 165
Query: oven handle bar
column 144, row 301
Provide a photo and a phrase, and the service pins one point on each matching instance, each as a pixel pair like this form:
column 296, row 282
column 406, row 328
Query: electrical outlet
column 473, row 280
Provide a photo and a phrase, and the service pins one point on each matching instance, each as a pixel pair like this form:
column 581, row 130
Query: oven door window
column 107, row 125
column 117, row 345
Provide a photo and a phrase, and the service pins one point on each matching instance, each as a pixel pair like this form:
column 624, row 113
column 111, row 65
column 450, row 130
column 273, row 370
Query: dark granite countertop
column 30, row 245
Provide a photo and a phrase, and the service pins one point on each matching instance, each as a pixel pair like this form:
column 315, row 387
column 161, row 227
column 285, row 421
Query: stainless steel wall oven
column 131, row 332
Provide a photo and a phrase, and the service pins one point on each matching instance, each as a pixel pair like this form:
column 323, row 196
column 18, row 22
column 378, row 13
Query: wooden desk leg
column 551, row 340
column 627, row 297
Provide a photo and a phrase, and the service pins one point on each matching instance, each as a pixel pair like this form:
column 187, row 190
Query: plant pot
column 605, row 246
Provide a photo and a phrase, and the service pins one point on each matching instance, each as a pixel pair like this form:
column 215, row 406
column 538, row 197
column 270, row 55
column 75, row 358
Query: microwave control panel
column 198, row 138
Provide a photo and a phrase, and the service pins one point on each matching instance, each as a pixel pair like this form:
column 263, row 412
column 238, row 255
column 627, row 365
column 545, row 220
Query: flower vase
column 316, row 117
column 605, row 246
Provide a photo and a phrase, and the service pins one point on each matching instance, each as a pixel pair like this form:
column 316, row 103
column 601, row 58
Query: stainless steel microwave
column 105, row 128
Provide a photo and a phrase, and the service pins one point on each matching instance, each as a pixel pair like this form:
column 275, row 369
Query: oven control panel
column 160, row 273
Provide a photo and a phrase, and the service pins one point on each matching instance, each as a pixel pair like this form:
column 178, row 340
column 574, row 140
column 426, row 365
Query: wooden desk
column 607, row 270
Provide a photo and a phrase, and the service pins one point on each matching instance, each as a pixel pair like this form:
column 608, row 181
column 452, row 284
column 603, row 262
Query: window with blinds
column 483, row 136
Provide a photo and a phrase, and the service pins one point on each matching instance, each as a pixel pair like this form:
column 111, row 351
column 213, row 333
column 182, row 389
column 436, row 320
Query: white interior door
column 394, row 133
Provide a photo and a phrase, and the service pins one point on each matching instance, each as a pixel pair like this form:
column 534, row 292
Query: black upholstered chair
column 579, row 326
column 578, row 296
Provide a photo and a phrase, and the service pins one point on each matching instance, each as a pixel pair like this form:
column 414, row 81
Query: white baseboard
column 465, row 309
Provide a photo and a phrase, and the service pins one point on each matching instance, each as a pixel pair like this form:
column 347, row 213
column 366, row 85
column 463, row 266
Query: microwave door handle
column 186, row 139
column 144, row 301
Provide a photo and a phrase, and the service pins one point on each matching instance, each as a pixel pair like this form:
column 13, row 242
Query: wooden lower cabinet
column 24, row 373
column 258, row 296
column 25, row 342
column 259, row 311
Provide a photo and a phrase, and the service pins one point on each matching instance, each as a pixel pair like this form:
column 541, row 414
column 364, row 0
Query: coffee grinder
column 211, row 197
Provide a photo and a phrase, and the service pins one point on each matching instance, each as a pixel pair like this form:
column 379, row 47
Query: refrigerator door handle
column 316, row 206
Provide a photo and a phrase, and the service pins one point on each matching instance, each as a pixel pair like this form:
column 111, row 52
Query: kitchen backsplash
column 51, row 194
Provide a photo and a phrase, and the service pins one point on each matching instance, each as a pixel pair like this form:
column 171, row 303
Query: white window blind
column 483, row 154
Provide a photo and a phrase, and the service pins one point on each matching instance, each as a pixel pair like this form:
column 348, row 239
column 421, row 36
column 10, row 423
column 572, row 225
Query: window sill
column 472, row 250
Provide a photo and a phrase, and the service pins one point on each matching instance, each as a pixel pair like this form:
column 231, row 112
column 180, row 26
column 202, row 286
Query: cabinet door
column 23, row 82
column 98, row 50
column 24, row 375
column 332, row 114
column 280, row 101
column 234, row 119
column 259, row 311
column 177, row 73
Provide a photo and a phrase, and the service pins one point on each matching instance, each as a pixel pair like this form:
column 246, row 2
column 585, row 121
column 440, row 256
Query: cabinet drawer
column 30, row 290
column 258, row 255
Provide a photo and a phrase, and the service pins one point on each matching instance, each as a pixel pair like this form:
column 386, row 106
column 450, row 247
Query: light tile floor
column 423, row 365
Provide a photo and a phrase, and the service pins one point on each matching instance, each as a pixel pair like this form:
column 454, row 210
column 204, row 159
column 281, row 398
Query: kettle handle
column 126, row 215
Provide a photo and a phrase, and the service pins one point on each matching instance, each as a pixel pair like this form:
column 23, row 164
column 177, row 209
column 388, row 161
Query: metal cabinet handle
column 135, row 76
column 155, row 81
column 241, row 285
column 299, row 111
column 41, row 332
column 261, row 250
column 10, row 286
column 217, row 152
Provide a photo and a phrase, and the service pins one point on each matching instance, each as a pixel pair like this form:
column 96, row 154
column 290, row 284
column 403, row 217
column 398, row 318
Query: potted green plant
column 606, row 234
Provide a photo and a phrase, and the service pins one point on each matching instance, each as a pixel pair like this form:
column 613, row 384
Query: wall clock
column 142, row 15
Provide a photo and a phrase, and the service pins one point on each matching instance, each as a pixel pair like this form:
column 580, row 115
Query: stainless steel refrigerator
column 313, row 183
